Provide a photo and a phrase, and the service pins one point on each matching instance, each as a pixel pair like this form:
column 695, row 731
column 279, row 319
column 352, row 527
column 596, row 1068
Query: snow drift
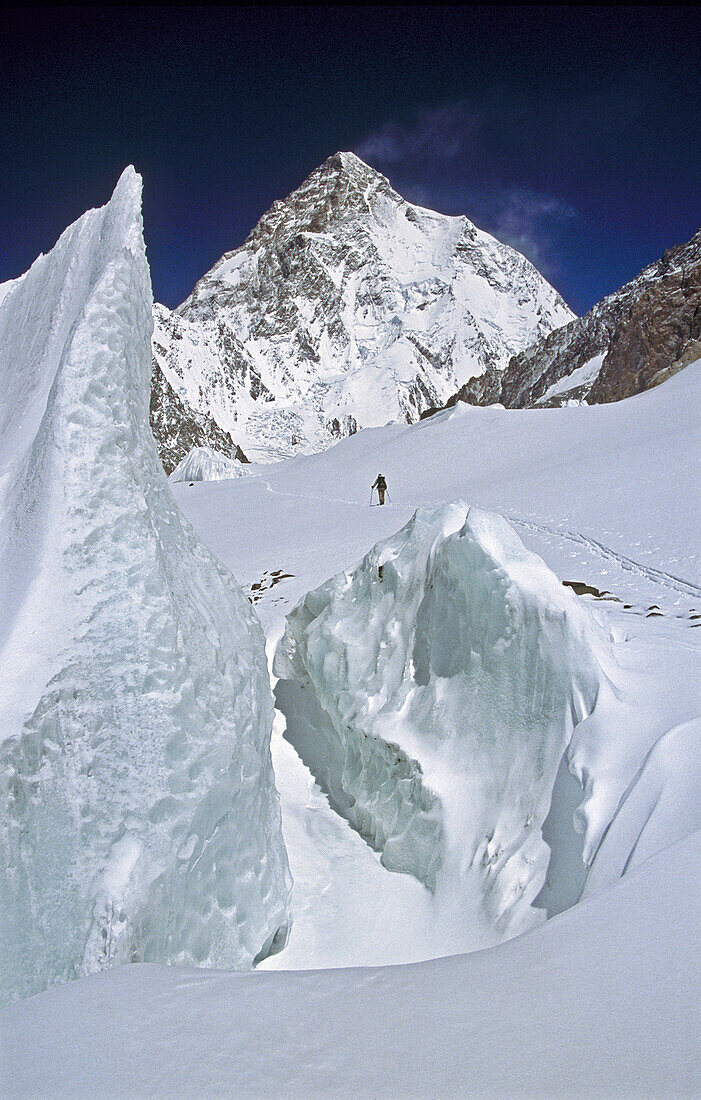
column 433, row 692
column 139, row 814
column 206, row 464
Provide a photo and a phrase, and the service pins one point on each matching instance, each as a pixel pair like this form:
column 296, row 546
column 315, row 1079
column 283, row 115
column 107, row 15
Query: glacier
column 140, row 819
column 433, row 692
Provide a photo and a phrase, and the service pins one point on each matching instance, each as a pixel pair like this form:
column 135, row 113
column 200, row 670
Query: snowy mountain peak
column 343, row 186
column 345, row 307
column 349, row 165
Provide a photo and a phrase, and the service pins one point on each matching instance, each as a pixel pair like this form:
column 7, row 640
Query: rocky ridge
column 177, row 427
column 630, row 341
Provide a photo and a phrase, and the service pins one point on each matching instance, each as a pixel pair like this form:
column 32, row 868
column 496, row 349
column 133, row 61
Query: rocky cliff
column 630, row 341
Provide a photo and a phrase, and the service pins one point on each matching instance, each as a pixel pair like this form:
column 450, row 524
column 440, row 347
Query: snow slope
column 139, row 816
column 607, row 496
column 5, row 288
column 347, row 307
column 612, row 488
column 602, row 1001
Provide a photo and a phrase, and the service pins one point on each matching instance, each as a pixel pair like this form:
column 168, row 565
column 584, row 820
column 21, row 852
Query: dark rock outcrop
column 642, row 331
column 659, row 335
column 177, row 427
column 630, row 341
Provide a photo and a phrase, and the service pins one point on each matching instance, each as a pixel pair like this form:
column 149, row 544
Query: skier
column 381, row 486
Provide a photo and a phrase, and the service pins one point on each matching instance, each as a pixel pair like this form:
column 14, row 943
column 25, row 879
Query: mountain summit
column 345, row 307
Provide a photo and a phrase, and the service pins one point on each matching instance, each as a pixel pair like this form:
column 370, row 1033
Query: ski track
column 657, row 576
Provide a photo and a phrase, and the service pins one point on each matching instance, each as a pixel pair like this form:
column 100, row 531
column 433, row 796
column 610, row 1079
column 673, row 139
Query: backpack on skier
column 381, row 486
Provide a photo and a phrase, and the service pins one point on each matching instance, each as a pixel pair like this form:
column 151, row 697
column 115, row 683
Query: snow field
column 140, row 820
column 600, row 1002
column 605, row 495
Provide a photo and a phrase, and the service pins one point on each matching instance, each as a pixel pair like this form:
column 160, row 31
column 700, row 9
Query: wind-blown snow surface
column 139, row 815
column 206, row 464
column 599, row 1002
column 432, row 692
column 347, row 307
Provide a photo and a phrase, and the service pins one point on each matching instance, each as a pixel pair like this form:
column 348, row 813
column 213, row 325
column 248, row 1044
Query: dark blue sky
column 573, row 133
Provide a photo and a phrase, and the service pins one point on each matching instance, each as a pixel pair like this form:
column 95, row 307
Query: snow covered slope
column 601, row 1002
column 607, row 495
column 177, row 427
column 347, row 307
column 5, row 288
column 204, row 464
column 433, row 691
column 139, row 818
column 603, row 999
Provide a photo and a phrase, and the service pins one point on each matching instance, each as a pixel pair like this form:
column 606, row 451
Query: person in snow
column 381, row 486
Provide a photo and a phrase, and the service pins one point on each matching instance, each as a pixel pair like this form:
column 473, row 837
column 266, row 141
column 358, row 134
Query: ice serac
column 206, row 464
column 139, row 815
column 433, row 692
column 347, row 307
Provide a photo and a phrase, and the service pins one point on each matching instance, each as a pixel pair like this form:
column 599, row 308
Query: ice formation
column 139, row 815
column 432, row 692
column 206, row 464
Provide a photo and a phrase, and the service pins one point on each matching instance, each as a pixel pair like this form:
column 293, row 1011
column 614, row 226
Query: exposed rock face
column 177, row 427
column 347, row 307
column 660, row 335
column 485, row 390
column 631, row 339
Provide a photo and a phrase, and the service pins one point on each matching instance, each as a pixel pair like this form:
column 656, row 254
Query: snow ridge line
column 657, row 576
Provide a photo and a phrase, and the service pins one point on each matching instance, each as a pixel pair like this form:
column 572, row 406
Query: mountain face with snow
column 138, row 813
column 178, row 428
column 629, row 342
column 346, row 307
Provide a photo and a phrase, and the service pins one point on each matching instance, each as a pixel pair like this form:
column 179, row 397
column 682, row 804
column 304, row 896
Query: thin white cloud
column 443, row 160
column 529, row 221
column 439, row 133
